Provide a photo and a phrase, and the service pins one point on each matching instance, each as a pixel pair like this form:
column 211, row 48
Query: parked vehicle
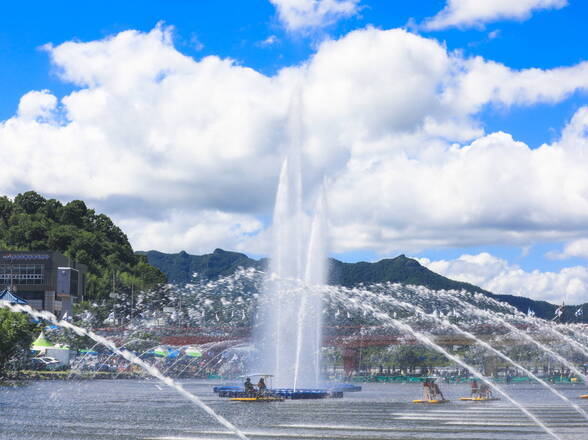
column 44, row 364
column 98, row 367
column 105, row 368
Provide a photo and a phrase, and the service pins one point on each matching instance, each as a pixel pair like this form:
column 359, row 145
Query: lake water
column 126, row 409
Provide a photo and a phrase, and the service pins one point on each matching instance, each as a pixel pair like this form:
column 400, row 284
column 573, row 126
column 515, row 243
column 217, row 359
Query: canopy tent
column 193, row 352
column 41, row 343
column 159, row 352
column 172, row 354
column 7, row 296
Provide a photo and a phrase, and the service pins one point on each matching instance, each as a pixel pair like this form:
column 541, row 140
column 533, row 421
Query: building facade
column 47, row 280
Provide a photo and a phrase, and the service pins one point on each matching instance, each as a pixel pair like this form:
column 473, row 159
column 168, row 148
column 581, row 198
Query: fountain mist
column 366, row 307
column 132, row 358
column 502, row 320
column 290, row 319
column 446, row 323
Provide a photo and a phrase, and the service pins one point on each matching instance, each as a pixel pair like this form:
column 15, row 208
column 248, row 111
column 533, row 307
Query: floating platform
column 306, row 393
column 219, row 388
column 284, row 393
column 343, row 387
column 478, row 399
column 258, row 399
column 430, row 401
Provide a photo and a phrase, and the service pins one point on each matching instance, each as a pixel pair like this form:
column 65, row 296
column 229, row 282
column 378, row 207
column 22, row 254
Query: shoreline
column 25, row 376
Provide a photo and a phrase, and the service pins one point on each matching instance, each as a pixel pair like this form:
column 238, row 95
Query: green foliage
column 413, row 356
column 69, row 339
column 33, row 223
column 16, row 335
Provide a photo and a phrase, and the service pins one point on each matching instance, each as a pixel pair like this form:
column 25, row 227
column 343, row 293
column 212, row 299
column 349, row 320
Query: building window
column 19, row 274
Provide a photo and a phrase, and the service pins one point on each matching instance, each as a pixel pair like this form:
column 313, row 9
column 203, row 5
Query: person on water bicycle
column 485, row 391
column 436, row 392
column 261, row 387
column 249, row 388
column 475, row 390
column 426, row 390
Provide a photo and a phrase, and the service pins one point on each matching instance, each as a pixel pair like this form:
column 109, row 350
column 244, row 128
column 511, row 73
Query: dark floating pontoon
column 286, row 393
column 330, row 391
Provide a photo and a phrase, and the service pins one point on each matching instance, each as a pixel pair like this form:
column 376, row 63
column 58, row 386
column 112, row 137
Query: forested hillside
column 32, row 223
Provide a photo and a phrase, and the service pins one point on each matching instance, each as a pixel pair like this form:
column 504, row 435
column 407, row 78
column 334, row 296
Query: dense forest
column 32, row 223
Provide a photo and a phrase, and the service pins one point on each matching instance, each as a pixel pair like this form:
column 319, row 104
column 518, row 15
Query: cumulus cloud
column 498, row 276
column 300, row 15
column 199, row 232
column 37, row 105
column 575, row 248
column 493, row 190
column 390, row 117
column 470, row 13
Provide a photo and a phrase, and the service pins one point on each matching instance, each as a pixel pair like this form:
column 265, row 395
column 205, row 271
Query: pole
column 11, row 274
column 113, row 295
column 180, row 310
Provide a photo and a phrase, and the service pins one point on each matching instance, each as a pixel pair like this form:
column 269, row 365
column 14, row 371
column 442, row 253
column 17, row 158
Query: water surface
column 133, row 409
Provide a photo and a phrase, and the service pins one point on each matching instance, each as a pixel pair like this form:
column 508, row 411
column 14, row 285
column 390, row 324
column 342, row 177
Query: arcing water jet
column 132, row 358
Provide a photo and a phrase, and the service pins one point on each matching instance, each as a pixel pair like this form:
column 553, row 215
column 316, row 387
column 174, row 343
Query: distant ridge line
column 179, row 269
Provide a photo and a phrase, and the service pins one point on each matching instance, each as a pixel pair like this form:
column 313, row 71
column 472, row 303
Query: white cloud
column 199, row 232
column 300, row 15
column 498, row 276
column 469, row 13
column 494, row 190
column 149, row 131
column 37, row 105
column 269, row 41
column 494, row 34
column 575, row 248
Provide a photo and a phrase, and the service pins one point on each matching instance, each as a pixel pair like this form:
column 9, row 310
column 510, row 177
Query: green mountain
column 396, row 270
column 32, row 223
column 181, row 268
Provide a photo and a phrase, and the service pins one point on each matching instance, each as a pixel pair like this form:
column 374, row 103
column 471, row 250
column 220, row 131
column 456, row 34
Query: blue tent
column 173, row 354
column 8, row 296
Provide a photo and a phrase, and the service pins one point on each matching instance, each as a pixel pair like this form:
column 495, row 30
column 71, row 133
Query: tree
column 413, row 356
column 32, row 223
column 52, row 209
column 30, row 202
column 16, row 335
column 74, row 212
column 60, row 237
column 6, row 209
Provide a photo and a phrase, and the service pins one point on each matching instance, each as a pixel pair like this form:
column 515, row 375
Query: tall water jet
column 308, row 341
column 290, row 315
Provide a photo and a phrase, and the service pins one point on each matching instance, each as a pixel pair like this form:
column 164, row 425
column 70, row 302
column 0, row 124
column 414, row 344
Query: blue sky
column 257, row 35
column 234, row 29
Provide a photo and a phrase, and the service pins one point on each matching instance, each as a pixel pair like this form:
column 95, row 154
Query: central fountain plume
column 290, row 318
